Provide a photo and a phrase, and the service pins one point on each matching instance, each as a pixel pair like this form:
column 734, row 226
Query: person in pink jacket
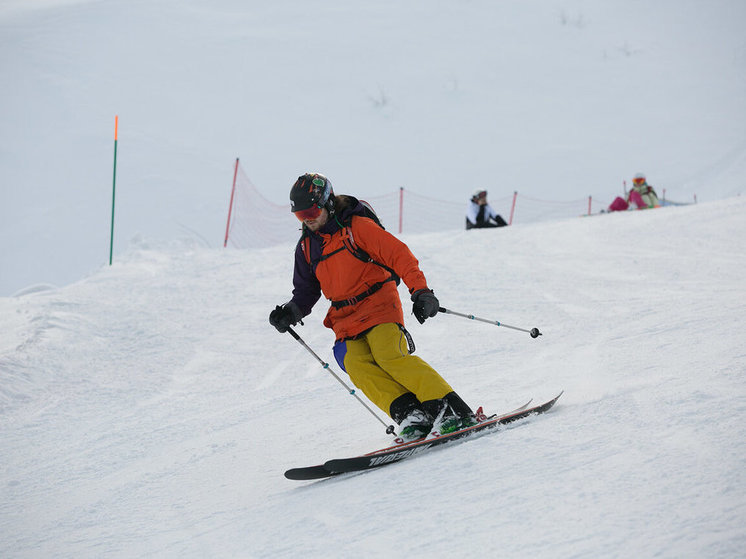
column 641, row 195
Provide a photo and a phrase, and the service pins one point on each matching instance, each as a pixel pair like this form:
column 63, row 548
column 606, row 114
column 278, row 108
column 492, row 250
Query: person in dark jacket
column 356, row 264
column 480, row 214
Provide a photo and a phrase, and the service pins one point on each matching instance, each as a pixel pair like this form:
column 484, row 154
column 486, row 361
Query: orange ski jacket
column 325, row 263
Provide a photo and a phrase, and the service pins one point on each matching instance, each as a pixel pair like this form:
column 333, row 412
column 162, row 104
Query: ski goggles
column 638, row 181
column 310, row 213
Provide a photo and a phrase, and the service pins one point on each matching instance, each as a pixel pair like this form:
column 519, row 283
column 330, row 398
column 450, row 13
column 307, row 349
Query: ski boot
column 415, row 426
column 451, row 414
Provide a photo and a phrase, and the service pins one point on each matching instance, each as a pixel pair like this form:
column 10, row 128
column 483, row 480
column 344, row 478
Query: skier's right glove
column 285, row 316
column 425, row 305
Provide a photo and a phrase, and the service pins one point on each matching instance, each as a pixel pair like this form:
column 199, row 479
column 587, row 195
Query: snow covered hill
column 150, row 410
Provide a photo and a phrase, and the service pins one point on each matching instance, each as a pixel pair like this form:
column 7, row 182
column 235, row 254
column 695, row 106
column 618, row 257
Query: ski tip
column 554, row 400
column 308, row 473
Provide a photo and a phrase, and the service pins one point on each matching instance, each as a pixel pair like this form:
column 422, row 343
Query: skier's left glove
column 425, row 305
column 285, row 316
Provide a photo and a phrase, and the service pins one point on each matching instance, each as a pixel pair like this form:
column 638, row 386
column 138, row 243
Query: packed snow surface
column 150, row 410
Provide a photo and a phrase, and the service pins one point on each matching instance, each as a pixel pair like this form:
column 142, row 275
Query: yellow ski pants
column 379, row 364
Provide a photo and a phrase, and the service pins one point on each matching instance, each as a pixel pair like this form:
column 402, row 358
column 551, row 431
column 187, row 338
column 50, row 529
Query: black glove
column 285, row 316
column 425, row 305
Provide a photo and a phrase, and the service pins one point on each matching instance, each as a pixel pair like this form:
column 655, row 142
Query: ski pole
column 389, row 428
column 534, row 332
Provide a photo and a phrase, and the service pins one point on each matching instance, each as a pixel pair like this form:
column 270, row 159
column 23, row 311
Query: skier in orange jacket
column 346, row 255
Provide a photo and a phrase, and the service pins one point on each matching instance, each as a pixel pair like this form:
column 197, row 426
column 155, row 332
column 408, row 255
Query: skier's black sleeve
column 306, row 287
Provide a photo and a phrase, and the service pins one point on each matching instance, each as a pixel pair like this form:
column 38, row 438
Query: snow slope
column 150, row 410
column 559, row 99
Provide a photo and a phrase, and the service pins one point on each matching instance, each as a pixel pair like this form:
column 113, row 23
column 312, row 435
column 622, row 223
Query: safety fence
column 255, row 222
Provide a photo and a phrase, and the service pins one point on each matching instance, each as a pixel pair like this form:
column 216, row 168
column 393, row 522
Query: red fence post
column 512, row 208
column 230, row 206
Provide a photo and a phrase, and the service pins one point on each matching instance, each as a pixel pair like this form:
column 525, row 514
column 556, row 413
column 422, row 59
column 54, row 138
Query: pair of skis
column 406, row 450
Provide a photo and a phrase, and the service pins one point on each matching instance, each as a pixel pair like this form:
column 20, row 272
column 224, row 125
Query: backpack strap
column 360, row 296
column 305, row 246
column 360, row 254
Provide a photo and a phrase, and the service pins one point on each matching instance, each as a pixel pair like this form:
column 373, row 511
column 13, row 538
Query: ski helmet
column 311, row 191
column 639, row 178
column 479, row 193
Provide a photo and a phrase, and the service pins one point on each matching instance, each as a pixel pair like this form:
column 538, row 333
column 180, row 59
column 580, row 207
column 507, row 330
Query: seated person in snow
column 642, row 195
column 480, row 213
